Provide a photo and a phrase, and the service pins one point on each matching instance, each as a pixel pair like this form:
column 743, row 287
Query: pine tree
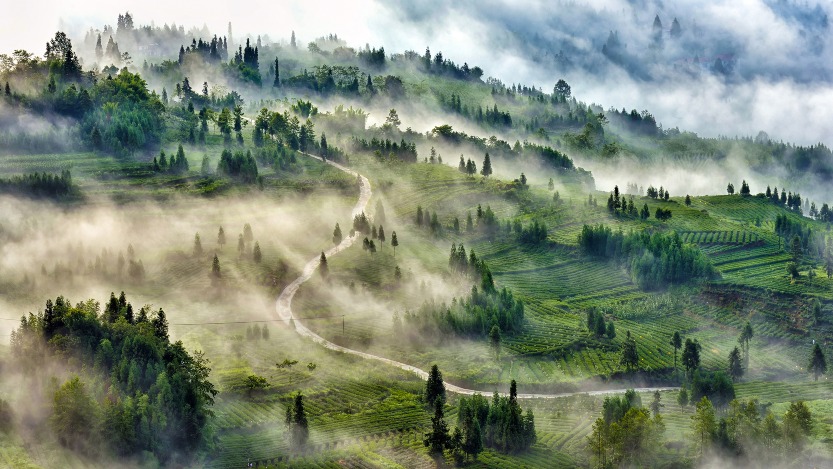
column 817, row 364
column 676, row 30
column 337, row 236
column 248, row 235
column 486, row 170
column 438, row 439
column 394, row 242
column 630, row 357
column 682, row 398
column 691, row 355
column 197, row 245
column 323, row 267
column 277, row 82
column 494, row 339
column 676, row 342
column 221, row 237
column 746, row 335
column 735, row 367
column 656, row 403
column 300, row 425
column 256, row 254
column 705, row 424
column 215, row 267
column 99, row 50
column 434, row 386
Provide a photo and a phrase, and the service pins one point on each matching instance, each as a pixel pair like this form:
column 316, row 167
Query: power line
column 218, row 323
column 249, row 322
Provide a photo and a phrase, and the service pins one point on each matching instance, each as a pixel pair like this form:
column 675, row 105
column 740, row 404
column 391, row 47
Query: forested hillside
column 380, row 258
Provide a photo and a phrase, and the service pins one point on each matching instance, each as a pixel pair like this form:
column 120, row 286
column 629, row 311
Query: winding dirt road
column 283, row 306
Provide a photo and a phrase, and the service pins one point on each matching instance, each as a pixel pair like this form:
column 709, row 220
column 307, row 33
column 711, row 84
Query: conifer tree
column 434, row 386
column 630, row 356
column 298, row 423
column 676, row 342
column 323, row 267
column 735, row 367
column 746, row 335
column 394, row 242
column 197, row 245
column 817, row 364
column 257, row 255
column 221, row 237
column 337, row 236
column 438, row 439
column 691, row 355
column 215, row 267
column 486, row 170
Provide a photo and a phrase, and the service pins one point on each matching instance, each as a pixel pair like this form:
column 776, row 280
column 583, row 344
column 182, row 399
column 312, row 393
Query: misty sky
column 782, row 83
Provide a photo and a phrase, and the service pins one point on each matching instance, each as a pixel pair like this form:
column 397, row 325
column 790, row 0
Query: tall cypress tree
column 323, row 267
column 277, row 81
column 818, row 364
column 438, row 439
column 486, row 171
column 434, row 387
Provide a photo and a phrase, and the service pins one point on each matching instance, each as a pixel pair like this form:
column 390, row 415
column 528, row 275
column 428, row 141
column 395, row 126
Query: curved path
column 283, row 306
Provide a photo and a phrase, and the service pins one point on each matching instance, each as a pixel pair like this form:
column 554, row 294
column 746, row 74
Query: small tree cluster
column 256, row 332
column 626, row 435
column 655, row 193
column 597, row 326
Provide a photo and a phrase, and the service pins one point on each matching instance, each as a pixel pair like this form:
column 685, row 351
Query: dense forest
column 129, row 389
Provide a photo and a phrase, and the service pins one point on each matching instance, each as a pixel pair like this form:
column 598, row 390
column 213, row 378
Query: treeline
column 39, row 185
column 385, row 149
column 245, row 66
column 655, row 260
column 125, row 116
column 156, row 398
column 493, row 145
column 492, row 116
column 238, row 165
column 288, row 131
column 438, row 65
column 214, row 50
column 47, row 141
column 639, row 123
column 475, row 314
column 502, row 425
column 104, row 265
column 178, row 164
column 739, row 432
column 487, row 222
column 810, row 242
column 372, row 57
column 278, row 156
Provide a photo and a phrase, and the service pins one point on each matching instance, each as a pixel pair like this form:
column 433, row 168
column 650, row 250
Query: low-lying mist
column 50, row 250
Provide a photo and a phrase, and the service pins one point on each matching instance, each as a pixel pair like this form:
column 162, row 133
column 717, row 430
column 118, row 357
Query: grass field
column 364, row 414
